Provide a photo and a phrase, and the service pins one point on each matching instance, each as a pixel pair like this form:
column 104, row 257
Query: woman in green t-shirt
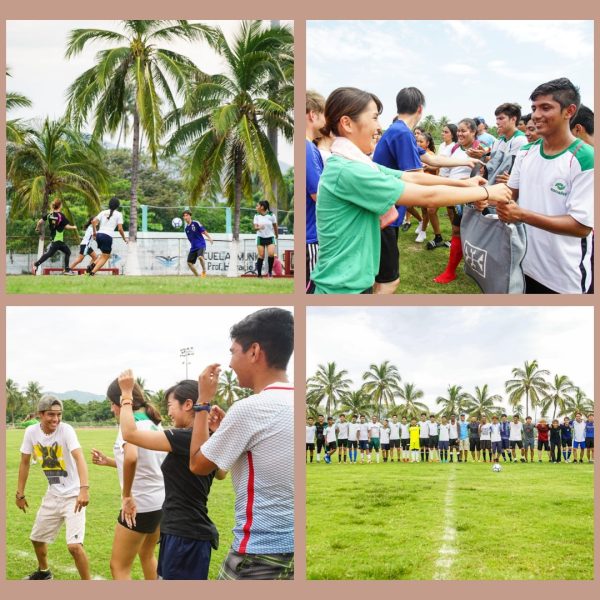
column 354, row 192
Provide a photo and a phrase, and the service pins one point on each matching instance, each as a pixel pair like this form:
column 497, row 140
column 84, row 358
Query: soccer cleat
column 69, row 272
column 40, row 575
column 421, row 237
column 405, row 226
column 203, row 274
column 433, row 244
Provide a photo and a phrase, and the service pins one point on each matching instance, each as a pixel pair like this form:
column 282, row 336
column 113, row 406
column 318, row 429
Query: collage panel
column 439, row 162
column 149, row 457
column 150, row 157
column 450, row 443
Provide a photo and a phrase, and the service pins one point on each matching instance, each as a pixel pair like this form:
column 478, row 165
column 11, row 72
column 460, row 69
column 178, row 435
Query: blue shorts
column 443, row 445
column 497, row 447
column 579, row 445
column 505, row 444
column 183, row 558
column 363, row 444
column 104, row 242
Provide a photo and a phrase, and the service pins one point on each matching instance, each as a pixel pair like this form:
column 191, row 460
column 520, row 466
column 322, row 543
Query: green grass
column 107, row 284
column 101, row 514
column 386, row 521
column 418, row 266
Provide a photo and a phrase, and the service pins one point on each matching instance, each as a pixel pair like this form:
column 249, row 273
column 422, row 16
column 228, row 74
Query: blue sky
column 434, row 347
column 35, row 54
column 464, row 68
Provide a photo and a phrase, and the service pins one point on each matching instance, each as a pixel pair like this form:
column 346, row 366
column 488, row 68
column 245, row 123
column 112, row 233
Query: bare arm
column 207, row 236
column 120, row 229
column 428, row 179
column 84, row 494
column 443, row 195
column 95, row 224
column 22, row 481
column 435, row 160
column 313, row 197
column 220, row 474
column 100, row 459
column 151, row 440
column 129, row 467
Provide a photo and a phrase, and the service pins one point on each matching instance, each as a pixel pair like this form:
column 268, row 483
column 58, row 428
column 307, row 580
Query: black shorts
column 331, row 446
column 423, row 443
column 405, row 443
column 454, row 443
column 544, row 445
column 474, row 444
column 505, row 444
column 385, row 446
column 104, row 242
column 320, row 443
column 194, row 254
column 457, row 218
column 343, row 443
column 389, row 261
column 589, row 442
column 394, row 443
column 515, row 443
column 486, row 444
column 535, row 287
column 261, row 241
column 310, row 447
column 85, row 249
column 144, row 522
column 433, row 441
column 353, row 444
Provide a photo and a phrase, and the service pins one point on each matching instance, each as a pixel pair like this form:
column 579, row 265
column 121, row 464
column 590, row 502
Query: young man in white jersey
column 516, row 439
column 57, row 448
column 341, row 428
column 363, row 439
column 252, row 441
column 374, row 438
column 553, row 194
column 310, row 438
column 385, row 440
column 485, row 438
column 496, row 438
column 353, row 428
column 394, row 438
column 453, row 423
column 405, row 439
column 434, row 436
column 444, row 439
column 578, row 437
column 330, row 440
column 424, row 438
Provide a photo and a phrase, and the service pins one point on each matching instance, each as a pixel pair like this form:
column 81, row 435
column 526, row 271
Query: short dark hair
column 562, row 91
column 526, row 118
column 186, row 212
column 585, row 118
column 272, row 329
column 510, row 109
column 346, row 102
column 408, row 100
column 182, row 391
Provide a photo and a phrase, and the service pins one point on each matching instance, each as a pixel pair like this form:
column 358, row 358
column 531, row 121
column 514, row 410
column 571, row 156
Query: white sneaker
column 419, row 227
column 421, row 237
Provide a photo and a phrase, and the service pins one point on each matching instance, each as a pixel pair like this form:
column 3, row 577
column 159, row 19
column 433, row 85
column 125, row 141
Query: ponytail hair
column 113, row 204
column 265, row 205
column 56, row 204
column 184, row 390
column 113, row 393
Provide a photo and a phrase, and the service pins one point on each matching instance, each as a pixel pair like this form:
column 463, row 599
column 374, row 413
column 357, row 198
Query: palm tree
column 135, row 66
column 327, row 384
column 382, row 383
column 54, row 159
column 410, row 396
column 559, row 395
column 15, row 132
column 357, row 403
column 580, row 403
column 225, row 118
column 454, row 404
column 14, row 399
column 228, row 388
column 33, row 393
column 482, row 403
column 529, row 382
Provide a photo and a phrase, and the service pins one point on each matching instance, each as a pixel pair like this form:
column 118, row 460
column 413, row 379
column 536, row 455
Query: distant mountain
column 78, row 395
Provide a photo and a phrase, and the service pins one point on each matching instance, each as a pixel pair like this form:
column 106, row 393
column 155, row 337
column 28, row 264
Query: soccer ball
column 177, row 223
column 496, row 468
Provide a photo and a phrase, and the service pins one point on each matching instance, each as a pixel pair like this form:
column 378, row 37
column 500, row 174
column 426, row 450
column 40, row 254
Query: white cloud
column 459, row 69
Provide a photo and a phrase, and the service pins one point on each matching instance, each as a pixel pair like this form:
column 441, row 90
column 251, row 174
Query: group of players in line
column 445, row 440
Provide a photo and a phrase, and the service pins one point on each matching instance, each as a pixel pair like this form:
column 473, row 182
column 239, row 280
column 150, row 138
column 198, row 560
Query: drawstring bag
column 493, row 251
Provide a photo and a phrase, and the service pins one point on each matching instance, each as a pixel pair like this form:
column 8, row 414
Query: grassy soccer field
column 449, row 521
column 418, row 266
column 121, row 284
column 101, row 514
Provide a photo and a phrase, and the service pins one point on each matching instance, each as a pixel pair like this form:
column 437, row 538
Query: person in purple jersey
column 196, row 233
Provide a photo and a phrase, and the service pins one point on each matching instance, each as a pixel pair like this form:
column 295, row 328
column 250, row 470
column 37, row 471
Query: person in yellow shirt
column 414, row 446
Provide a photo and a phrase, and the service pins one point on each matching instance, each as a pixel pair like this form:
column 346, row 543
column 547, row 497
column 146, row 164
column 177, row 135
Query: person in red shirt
column 543, row 444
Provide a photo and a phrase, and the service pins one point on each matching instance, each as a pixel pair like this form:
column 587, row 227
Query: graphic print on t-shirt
column 53, row 464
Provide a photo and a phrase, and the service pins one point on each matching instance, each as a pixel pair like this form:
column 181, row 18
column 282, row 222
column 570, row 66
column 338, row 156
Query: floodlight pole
column 185, row 353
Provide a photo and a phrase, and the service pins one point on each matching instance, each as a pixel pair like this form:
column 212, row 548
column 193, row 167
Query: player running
column 265, row 226
column 103, row 226
column 196, row 233
column 85, row 247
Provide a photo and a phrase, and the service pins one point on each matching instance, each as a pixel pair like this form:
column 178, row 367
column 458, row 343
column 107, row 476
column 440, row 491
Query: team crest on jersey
column 476, row 258
column 561, row 187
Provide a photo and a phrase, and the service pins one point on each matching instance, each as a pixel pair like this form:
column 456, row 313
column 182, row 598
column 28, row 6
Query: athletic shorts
column 516, row 443
column 312, row 251
column 144, row 522
column 453, row 443
column 310, row 447
column 543, row 445
column 374, row 444
column 529, row 443
column 474, row 444
column 257, row 566
column 497, row 447
column 183, row 558
column 331, row 446
column 589, row 442
column 505, row 444
column 579, row 445
column 424, row 442
column 566, row 443
column 104, row 242
column 394, row 443
column 85, row 249
column 363, row 444
column 194, row 254
column 389, row 261
column 413, row 445
column 53, row 512
column 405, row 443
column 463, row 444
column 433, row 441
column 343, row 443
column 264, row 241
column 385, row 446
column 320, row 444
column 486, row 444
column 443, row 445
column 353, row 444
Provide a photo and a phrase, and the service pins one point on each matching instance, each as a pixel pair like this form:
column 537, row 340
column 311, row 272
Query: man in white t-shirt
column 553, row 194
column 578, row 437
column 434, row 438
column 342, row 429
column 453, row 442
column 57, row 448
column 330, row 440
column 374, row 438
column 515, row 438
column 424, row 438
column 310, row 438
column 405, row 439
column 384, row 433
column 253, row 442
column 394, row 438
column 353, row 428
column 363, row 439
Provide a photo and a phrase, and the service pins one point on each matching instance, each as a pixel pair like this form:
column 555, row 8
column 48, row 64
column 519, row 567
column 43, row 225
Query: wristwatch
column 201, row 407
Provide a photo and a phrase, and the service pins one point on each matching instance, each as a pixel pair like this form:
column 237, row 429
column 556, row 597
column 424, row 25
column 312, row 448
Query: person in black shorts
column 474, row 440
column 320, row 435
column 58, row 223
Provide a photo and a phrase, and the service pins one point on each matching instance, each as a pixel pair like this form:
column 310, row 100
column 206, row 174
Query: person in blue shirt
column 504, row 434
column 196, row 233
column 398, row 149
column 315, row 120
column 589, row 437
column 463, row 438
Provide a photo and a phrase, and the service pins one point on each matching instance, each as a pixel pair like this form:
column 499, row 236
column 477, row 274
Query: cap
column 47, row 402
column 479, row 120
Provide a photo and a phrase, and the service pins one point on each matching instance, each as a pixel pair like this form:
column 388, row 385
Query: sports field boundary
column 447, row 551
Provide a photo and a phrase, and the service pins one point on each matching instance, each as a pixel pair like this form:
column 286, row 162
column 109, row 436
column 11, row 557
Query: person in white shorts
column 57, row 448
column 142, row 485
column 253, row 442
column 341, row 428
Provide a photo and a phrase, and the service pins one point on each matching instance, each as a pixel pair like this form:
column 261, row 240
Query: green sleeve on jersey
column 585, row 157
column 531, row 145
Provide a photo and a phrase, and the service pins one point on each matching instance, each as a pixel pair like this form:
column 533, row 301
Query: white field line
column 31, row 556
column 443, row 564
